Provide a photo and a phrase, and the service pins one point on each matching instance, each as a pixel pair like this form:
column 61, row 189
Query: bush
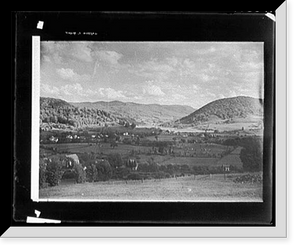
column 115, row 160
column 80, row 173
column 42, row 174
column 104, row 170
column 91, row 173
column 53, row 173
column 252, row 154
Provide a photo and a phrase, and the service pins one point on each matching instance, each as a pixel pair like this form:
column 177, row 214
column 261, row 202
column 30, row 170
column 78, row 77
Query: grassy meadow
column 188, row 188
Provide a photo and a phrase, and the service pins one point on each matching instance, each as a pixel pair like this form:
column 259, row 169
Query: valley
column 100, row 143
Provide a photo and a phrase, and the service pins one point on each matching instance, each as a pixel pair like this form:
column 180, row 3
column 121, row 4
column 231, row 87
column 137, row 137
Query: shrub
column 91, row 173
column 115, row 160
column 80, row 173
column 42, row 174
column 252, row 154
column 104, row 170
column 53, row 173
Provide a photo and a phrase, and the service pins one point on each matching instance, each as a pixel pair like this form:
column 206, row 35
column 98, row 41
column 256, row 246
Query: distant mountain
column 225, row 109
column 146, row 114
column 57, row 113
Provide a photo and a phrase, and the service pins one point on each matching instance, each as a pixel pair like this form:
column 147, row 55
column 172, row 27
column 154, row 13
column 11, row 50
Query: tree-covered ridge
column 57, row 111
column 227, row 108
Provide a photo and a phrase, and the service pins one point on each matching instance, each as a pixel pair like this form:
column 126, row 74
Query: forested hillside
column 140, row 113
column 61, row 114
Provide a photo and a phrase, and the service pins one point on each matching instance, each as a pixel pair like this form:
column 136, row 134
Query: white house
column 53, row 139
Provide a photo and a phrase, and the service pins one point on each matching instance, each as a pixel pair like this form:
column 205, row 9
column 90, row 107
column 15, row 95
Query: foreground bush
column 80, row 173
column 42, row 174
column 53, row 173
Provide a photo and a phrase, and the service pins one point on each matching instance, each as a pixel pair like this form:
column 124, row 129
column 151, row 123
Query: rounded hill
column 227, row 108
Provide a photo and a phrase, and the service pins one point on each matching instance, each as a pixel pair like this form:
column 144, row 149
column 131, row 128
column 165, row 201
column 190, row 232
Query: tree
column 115, row 160
column 53, row 173
column 251, row 155
column 104, row 170
column 80, row 173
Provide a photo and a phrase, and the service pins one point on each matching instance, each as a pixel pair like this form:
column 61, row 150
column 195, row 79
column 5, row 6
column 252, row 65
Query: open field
column 188, row 188
column 92, row 147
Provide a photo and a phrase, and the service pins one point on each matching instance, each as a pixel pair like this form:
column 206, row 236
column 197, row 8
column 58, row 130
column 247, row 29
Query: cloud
column 49, row 90
column 75, row 89
column 81, row 51
column 111, row 93
column 173, row 61
column 232, row 93
column 66, row 73
column 205, row 78
column 204, row 51
column 153, row 69
column 178, row 96
column 110, row 57
column 153, row 90
column 78, row 92
column 62, row 51
column 70, row 90
column 69, row 74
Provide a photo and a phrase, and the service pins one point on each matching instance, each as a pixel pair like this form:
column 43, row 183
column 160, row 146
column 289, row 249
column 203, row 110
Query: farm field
column 92, row 147
column 191, row 150
column 188, row 188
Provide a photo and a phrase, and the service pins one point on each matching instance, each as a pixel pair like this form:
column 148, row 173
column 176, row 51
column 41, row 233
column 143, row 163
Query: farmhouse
column 69, row 137
column 226, row 167
column 74, row 157
column 53, row 139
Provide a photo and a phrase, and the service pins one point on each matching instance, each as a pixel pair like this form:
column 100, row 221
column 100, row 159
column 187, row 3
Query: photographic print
column 151, row 121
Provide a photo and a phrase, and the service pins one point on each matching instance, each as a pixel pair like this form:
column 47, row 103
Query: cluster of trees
column 93, row 169
column 52, row 170
column 251, row 154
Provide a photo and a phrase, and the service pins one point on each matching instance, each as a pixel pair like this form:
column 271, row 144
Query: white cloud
column 195, row 87
column 189, row 64
column 178, row 96
column 111, row 93
column 153, row 90
column 153, row 69
column 69, row 74
column 81, row 51
column 49, row 90
column 173, row 61
column 110, row 57
column 205, row 78
column 66, row 73
column 75, row 89
column 70, row 90
column 232, row 93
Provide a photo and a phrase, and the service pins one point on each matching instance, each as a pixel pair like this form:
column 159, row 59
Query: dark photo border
column 137, row 26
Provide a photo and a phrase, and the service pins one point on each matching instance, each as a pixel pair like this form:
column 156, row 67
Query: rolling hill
column 141, row 114
column 241, row 109
column 224, row 109
column 62, row 114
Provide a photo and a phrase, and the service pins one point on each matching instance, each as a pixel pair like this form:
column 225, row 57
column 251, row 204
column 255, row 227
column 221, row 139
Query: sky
column 168, row 73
